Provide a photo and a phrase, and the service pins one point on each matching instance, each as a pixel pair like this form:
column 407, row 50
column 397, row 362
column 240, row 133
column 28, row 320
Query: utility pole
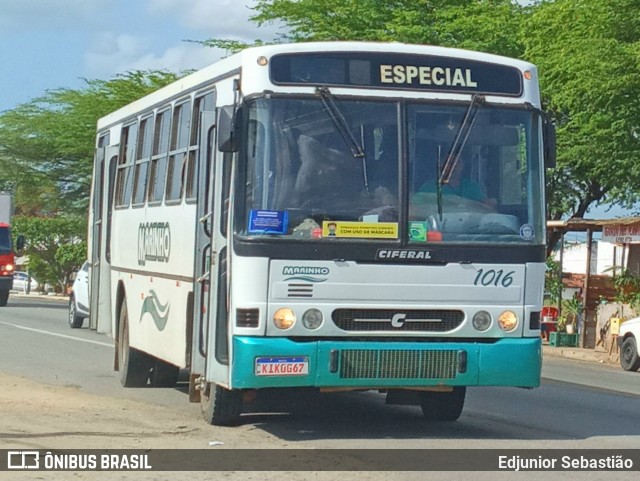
column 585, row 291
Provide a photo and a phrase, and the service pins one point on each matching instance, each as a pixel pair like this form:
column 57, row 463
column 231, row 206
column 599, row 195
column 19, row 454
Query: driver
column 458, row 185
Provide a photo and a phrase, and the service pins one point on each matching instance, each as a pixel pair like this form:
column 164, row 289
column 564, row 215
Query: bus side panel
column 157, row 322
column 153, row 256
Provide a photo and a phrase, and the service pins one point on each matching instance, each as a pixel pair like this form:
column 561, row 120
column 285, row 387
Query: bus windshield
column 344, row 169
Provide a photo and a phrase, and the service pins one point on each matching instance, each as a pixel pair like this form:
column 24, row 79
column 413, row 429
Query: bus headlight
column 312, row 319
column 284, row 318
column 481, row 320
column 508, row 321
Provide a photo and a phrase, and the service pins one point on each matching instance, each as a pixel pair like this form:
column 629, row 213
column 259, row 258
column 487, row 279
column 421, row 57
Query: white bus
column 326, row 216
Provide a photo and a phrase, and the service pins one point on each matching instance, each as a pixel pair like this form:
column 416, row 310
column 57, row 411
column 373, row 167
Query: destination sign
column 396, row 71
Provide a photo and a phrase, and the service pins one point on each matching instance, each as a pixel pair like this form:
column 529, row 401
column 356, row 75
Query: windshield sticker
column 418, row 231
column 527, row 232
column 268, row 222
column 370, row 230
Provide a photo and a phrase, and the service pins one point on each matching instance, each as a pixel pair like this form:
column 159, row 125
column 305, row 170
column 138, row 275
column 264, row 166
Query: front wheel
column 134, row 365
column 75, row 321
column 443, row 406
column 629, row 358
column 220, row 406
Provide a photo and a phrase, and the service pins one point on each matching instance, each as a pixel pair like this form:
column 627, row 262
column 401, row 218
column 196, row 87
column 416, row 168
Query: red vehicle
column 7, row 263
column 7, row 255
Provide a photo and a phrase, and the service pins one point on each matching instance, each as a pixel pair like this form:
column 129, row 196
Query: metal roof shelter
column 624, row 231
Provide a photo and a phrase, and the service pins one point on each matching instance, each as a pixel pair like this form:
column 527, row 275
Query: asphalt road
column 579, row 405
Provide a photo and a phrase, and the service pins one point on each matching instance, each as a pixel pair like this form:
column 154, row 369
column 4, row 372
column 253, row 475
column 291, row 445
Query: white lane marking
column 56, row 334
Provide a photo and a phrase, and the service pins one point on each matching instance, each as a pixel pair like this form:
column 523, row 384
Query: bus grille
column 431, row 320
column 397, row 364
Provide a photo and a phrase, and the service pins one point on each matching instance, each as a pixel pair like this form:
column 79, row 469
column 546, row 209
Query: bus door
column 100, row 274
column 204, row 360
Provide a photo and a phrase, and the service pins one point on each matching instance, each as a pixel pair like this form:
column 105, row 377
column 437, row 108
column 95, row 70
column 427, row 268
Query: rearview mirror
column 229, row 129
column 549, row 145
column 20, row 242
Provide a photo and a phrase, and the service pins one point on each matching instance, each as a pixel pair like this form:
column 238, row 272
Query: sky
column 51, row 44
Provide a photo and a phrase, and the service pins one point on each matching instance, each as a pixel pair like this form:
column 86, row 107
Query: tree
column 590, row 78
column 54, row 247
column 47, row 145
column 489, row 25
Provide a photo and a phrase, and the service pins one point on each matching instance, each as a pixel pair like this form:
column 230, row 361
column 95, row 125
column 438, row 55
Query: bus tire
column 443, row 406
column 4, row 297
column 134, row 365
column 220, row 406
column 164, row 374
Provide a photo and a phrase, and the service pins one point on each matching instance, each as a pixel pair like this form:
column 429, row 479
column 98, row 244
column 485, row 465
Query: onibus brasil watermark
column 74, row 461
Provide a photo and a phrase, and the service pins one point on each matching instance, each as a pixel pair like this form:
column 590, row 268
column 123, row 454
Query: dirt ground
column 37, row 416
column 34, row 416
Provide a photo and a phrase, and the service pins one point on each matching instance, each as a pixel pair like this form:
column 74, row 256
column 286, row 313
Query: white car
column 628, row 340
column 79, row 298
column 21, row 280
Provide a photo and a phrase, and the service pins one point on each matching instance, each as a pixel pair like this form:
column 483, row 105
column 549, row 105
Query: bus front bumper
column 260, row 362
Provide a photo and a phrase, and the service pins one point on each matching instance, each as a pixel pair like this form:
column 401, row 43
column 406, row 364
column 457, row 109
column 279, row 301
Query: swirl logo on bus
column 154, row 242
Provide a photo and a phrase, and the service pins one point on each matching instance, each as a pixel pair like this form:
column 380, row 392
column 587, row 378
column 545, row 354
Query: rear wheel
column 220, row 406
column 443, row 406
column 629, row 358
column 75, row 321
column 134, row 365
column 4, row 297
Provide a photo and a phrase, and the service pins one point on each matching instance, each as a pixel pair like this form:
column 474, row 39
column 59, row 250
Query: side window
column 103, row 140
column 124, row 180
column 143, row 156
column 203, row 103
column 178, row 152
column 159, row 155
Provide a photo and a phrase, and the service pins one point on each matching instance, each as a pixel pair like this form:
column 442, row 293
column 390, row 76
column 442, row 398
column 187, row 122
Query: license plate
column 282, row 366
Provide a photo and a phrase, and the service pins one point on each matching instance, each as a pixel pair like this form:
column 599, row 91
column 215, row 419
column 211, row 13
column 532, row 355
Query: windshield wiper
column 357, row 150
column 340, row 122
column 459, row 141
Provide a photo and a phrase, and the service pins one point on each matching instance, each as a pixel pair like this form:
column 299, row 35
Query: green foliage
column 488, row 25
column 231, row 46
column 627, row 287
column 587, row 53
column 574, row 308
column 47, row 145
column 55, row 246
column 552, row 282
column 561, row 323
